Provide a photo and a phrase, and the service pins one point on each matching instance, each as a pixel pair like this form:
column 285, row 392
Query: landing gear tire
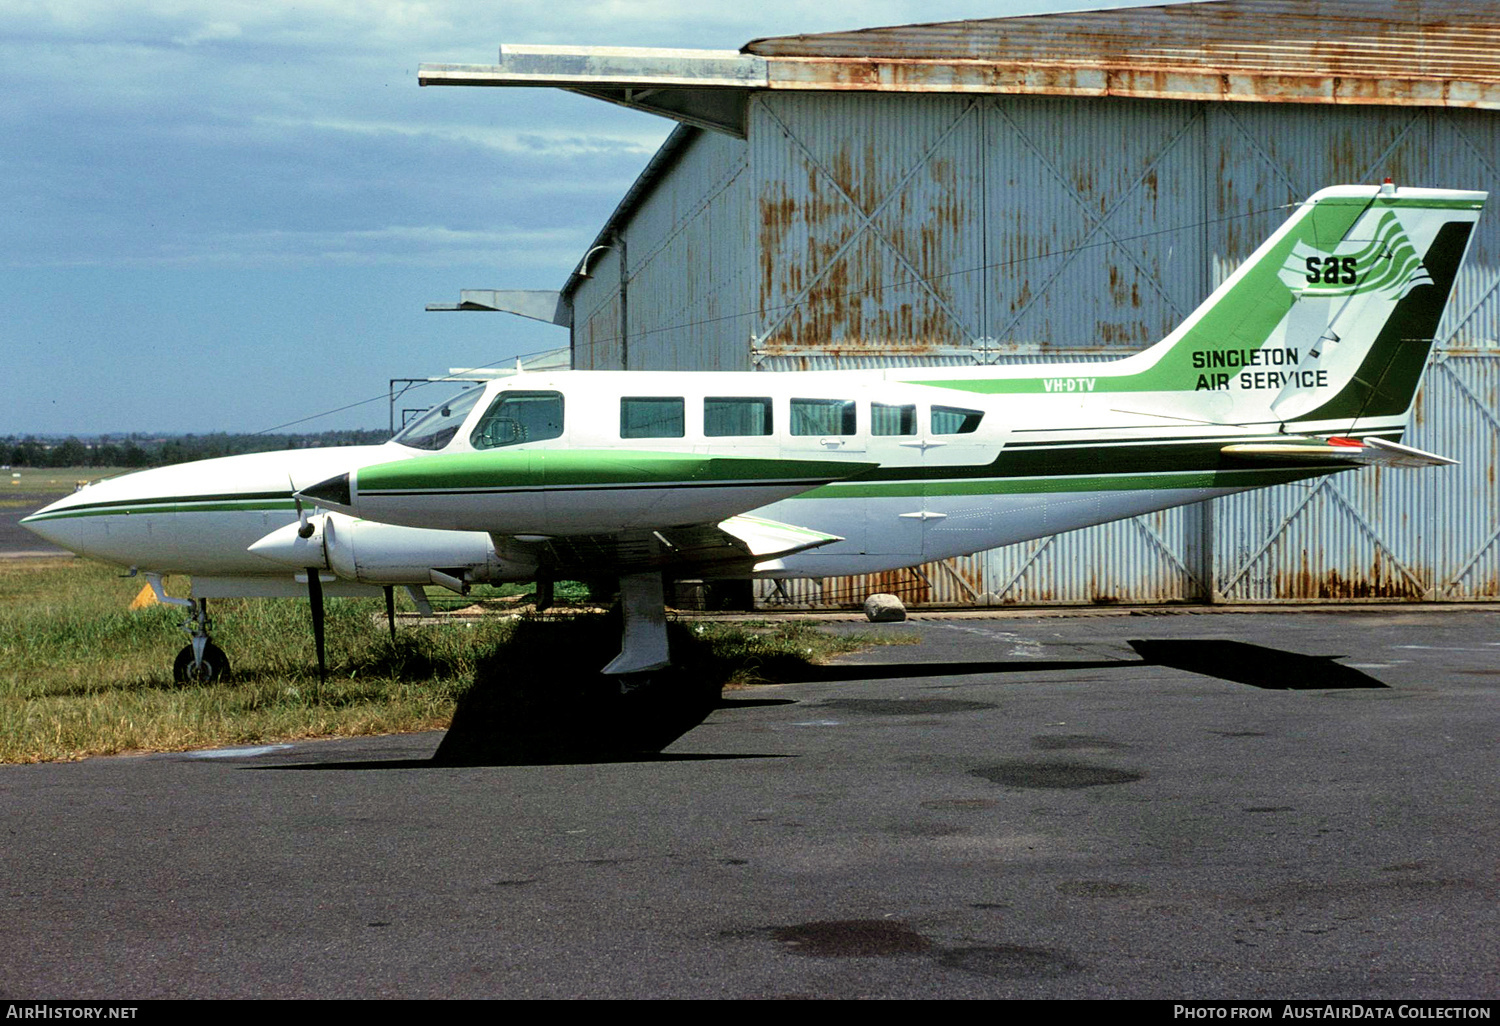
column 631, row 684
column 214, row 668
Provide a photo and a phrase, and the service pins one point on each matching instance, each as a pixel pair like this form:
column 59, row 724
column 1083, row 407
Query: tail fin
column 1327, row 327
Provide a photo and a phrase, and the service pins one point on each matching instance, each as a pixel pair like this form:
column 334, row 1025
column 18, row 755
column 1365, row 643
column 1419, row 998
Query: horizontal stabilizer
column 1367, row 451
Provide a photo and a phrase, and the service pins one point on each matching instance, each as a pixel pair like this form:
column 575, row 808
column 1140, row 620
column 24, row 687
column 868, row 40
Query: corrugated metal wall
column 864, row 229
column 597, row 323
column 687, row 272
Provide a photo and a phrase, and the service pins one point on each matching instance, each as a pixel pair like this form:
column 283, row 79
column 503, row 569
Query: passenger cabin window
column 823, row 417
column 436, row 428
column 955, row 420
column 652, row 417
column 893, row 420
column 726, row 416
column 516, row 417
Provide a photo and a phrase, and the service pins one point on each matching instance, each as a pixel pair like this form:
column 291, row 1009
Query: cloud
column 543, row 141
column 389, row 244
column 216, row 31
column 189, row 184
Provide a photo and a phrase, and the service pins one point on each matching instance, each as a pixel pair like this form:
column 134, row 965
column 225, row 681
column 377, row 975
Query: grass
column 53, row 480
column 80, row 674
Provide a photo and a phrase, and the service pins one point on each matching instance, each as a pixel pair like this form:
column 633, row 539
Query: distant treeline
column 139, row 450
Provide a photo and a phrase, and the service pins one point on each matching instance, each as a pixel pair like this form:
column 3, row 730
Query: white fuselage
column 931, row 497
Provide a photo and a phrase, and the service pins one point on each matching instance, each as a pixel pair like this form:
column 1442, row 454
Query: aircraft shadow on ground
column 1256, row 665
column 583, row 719
column 1236, row 661
column 887, row 671
column 560, row 758
column 520, row 719
column 580, row 717
column 490, row 730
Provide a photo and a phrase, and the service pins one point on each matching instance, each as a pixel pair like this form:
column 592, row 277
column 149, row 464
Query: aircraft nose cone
column 46, row 523
column 333, row 492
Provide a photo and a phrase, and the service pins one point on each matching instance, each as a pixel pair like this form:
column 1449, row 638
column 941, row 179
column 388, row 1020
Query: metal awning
column 537, row 304
column 703, row 88
column 1428, row 53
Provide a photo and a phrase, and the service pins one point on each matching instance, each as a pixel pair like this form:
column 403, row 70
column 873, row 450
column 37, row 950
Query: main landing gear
column 643, row 642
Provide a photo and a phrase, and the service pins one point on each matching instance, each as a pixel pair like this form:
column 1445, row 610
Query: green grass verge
column 53, row 480
column 81, row 674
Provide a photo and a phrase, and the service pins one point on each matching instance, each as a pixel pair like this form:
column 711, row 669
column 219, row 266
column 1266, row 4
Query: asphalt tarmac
column 1177, row 806
column 15, row 540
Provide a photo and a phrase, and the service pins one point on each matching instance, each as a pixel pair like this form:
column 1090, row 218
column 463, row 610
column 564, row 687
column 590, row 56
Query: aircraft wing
column 1363, row 451
column 571, row 492
column 596, row 512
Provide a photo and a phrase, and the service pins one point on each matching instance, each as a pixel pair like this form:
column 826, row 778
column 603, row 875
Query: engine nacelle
column 374, row 553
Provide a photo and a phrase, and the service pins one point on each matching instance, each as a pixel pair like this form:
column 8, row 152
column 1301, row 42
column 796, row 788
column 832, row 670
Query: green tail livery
column 1326, row 327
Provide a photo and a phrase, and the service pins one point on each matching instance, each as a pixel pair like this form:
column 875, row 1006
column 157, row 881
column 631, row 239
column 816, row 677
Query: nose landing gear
column 200, row 661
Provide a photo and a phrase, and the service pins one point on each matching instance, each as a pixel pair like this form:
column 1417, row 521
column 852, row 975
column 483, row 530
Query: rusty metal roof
column 1390, row 52
column 1430, row 53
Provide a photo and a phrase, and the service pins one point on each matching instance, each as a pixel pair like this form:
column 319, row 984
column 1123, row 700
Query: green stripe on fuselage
column 1249, row 478
column 1091, row 459
column 184, row 504
column 563, row 468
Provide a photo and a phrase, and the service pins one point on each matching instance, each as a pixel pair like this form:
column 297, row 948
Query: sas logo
column 1386, row 265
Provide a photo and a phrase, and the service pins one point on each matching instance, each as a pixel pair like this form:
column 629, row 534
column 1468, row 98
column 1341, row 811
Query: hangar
column 1020, row 189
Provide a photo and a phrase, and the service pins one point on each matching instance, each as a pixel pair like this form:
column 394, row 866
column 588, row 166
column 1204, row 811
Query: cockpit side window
column 436, row 428
column 955, row 420
column 516, row 417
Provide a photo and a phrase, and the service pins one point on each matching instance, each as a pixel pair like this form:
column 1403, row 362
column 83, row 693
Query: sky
column 228, row 216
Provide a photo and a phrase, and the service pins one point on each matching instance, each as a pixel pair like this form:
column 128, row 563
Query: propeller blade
column 304, row 528
column 390, row 610
column 315, row 600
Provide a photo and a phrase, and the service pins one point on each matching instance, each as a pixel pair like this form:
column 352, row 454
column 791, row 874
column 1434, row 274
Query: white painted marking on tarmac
column 235, row 753
column 1024, row 647
column 1443, row 648
column 818, row 723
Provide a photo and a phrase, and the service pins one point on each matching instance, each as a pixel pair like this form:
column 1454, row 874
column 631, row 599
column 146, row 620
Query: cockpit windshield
column 436, row 428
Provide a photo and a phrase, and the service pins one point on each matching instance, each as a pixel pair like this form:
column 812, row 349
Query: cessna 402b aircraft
column 1304, row 362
